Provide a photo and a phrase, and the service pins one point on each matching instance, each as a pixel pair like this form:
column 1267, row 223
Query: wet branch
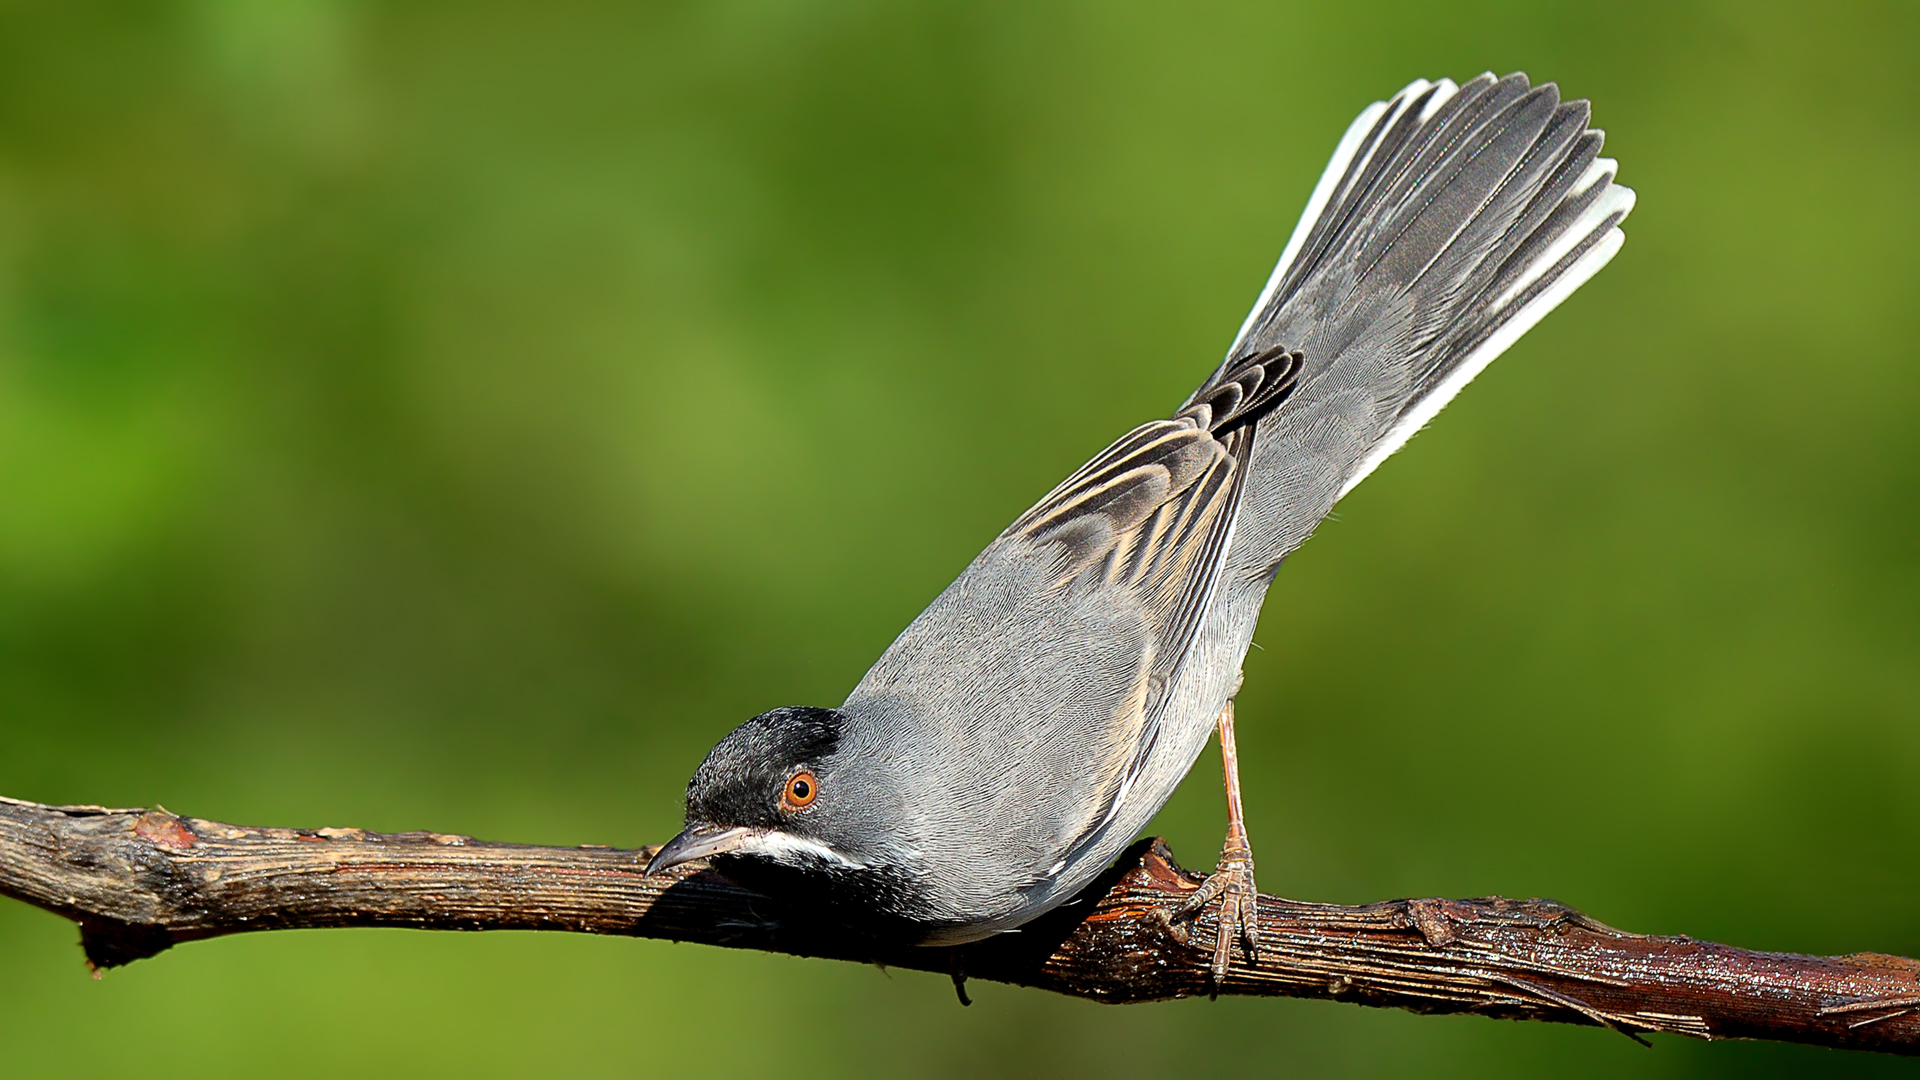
column 140, row 881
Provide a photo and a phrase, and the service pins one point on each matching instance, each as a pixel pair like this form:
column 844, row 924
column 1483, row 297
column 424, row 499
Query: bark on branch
column 140, row 881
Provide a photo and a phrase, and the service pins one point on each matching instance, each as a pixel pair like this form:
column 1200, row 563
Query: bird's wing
column 1166, row 554
column 1149, row 516
column 1052, row 653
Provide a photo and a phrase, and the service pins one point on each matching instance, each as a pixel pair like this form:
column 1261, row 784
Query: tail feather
column 1449, row 221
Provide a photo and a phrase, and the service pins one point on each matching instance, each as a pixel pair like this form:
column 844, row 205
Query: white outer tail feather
column 1498, row 342
column 1614, row 204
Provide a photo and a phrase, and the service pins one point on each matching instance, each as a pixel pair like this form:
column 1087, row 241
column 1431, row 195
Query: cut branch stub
column 139, row 881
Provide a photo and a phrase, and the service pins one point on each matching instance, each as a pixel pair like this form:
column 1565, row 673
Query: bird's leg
column 1232, row 880
column 957, row 967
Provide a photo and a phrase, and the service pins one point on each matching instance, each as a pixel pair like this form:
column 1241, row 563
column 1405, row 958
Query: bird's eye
column 801, row 789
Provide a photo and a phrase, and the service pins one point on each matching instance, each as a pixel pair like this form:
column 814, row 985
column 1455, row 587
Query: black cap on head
column 760, row 793
column 785, row 808
column 743, row 778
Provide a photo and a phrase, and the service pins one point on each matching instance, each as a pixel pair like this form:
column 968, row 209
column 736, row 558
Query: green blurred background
column 458, row 416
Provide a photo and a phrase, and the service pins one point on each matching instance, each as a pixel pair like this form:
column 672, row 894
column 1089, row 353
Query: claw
column 1238, row 917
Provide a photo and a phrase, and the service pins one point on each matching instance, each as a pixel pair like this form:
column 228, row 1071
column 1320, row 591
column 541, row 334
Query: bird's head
column 772, row 792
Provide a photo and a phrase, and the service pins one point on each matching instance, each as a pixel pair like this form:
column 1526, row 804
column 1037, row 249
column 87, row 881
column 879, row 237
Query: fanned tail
column 1449, row 221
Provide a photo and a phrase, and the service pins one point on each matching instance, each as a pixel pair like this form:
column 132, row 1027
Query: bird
column 1023, row 729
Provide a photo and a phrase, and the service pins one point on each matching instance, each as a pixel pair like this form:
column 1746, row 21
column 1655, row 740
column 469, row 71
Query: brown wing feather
column 1151, row 515
column 1151, row 511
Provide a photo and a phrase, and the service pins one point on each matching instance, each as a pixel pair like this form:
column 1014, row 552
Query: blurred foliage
column 459, row 415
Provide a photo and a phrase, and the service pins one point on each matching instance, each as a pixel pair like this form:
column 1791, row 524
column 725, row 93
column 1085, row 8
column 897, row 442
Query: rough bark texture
column 140, row 881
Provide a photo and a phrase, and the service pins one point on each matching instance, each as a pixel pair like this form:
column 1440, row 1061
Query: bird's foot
column 1231, row 883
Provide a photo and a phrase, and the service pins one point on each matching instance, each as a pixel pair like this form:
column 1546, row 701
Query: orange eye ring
column 800, row 791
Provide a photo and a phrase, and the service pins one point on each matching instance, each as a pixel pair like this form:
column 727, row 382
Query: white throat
column 791, row 850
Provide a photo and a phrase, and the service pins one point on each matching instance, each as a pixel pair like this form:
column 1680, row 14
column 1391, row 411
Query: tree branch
column 140, row 881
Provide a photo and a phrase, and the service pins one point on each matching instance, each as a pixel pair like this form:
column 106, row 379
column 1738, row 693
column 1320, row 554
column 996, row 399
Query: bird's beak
column 696, row 842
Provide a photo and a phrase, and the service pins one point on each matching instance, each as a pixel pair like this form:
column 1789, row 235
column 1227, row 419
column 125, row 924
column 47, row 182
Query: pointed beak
column 696, row 842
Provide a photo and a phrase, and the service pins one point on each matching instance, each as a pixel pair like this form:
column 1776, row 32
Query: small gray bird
column 1022, row 731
